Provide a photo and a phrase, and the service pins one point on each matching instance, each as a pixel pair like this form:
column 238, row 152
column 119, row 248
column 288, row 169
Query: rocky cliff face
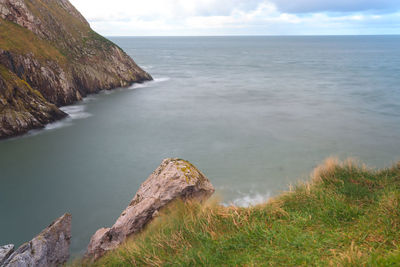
column 50, row 55
column 21, row 107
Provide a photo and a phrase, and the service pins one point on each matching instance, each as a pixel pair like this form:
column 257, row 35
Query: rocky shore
column 173, row 179
column 49, row 57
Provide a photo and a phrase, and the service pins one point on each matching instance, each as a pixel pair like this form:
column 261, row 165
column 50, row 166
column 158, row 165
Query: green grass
column 347, row 215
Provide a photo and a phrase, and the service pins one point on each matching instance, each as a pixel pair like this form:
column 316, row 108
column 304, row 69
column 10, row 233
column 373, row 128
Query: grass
column 19, row 40
column 347, row 215
column 71, row 26
column 46, row 11
column 73, row 33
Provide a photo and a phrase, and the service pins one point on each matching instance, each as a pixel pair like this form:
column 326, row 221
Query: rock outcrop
column 173, row 179
column 49, row 47
column 5, row 252
column 49, row 248
column 22, row 107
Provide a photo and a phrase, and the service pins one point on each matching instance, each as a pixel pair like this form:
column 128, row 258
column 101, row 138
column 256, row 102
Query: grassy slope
column 346, row 216
column 45, row 9
column 74, row 27
column 19, row 40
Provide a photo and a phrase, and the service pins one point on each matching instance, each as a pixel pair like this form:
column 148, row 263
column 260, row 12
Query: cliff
column 347, row 215
column 49, row 57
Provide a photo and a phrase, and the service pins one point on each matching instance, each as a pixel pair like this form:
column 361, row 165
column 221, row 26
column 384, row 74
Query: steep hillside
column 50, row 49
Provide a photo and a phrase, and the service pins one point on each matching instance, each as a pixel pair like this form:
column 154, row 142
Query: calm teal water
column 253, row 113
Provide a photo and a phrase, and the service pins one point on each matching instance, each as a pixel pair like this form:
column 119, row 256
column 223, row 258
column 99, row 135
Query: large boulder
column 49, row 248
column 173, row 179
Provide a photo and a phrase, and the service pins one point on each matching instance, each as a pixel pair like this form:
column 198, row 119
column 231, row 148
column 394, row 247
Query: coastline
column 50, row 57
column 56, row 124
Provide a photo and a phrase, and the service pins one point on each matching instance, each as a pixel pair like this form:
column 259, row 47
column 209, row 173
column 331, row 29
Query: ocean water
column 255, row 114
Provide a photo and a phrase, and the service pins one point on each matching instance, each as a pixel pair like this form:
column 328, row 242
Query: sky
column 241, row 17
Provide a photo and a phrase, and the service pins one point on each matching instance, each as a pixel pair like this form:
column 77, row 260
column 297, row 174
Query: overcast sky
column 241, row 17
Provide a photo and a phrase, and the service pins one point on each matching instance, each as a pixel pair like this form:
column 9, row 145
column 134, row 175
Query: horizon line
column 261, row 35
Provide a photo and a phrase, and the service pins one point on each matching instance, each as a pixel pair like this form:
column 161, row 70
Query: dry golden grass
column 19, row 40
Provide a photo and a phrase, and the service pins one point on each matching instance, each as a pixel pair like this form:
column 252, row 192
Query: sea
column 254, row 114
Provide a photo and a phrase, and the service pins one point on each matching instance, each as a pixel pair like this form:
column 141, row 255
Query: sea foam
column 75, row 112
column 248, row 200
column 149, row 83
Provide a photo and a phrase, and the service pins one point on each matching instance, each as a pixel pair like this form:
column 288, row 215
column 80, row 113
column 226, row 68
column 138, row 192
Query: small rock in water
column 173, row 179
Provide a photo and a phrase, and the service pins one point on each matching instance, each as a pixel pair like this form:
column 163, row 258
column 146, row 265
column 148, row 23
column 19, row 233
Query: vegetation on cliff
column 348, row 215
column 48, row 45
column 19, row 40
column 22, row 107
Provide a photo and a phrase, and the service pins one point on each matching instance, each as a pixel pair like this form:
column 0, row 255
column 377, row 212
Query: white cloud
column 306, row 6
column 222, row 17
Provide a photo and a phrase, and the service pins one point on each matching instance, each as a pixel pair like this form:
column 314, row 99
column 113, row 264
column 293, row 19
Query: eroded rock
column 21, row 107
column 5, row 252
column 49, row 248
column 173, row 179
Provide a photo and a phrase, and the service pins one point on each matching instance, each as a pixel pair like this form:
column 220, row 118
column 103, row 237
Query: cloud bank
column 308, row 6
column 241, row 17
